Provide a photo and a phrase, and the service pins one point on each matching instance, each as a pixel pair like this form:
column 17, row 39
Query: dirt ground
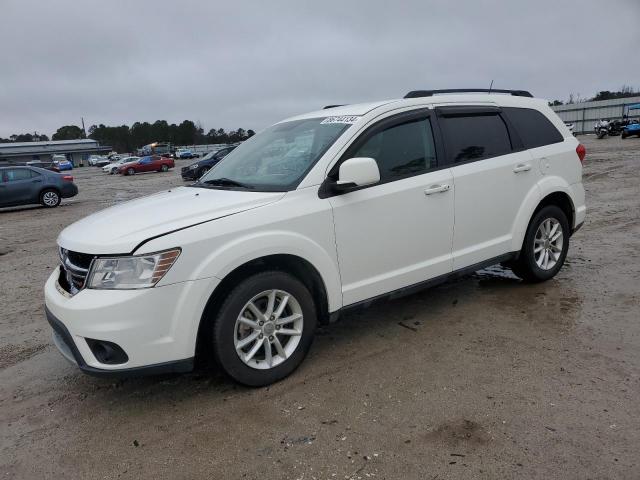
column 484, row 377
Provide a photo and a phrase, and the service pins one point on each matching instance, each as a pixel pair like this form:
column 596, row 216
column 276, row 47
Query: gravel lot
column 484, row 377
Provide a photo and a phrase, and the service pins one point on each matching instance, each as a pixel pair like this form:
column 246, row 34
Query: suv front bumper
column 156, row 327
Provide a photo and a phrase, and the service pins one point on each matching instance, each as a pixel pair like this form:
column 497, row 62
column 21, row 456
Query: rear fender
column 544, row 187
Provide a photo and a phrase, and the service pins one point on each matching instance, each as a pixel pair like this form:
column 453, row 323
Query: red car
column 153, row 163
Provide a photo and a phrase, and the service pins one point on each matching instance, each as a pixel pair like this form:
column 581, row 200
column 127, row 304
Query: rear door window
column 475, row 136
column 533, row 128
column 14, row 175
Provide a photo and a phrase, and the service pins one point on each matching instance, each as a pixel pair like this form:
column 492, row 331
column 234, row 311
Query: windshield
column 276, row 159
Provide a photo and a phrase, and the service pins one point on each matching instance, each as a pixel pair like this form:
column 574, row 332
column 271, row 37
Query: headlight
column 193, row 167
column 139, row 271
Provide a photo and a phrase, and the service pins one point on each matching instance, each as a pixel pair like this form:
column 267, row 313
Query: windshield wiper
column 226, row 182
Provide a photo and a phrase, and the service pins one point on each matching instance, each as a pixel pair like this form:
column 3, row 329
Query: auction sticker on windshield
column 348, row 119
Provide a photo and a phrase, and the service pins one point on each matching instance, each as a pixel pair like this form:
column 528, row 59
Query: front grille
column 74, row 269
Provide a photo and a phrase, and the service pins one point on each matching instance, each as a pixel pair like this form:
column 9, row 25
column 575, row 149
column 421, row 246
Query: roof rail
column 430, row 93
column 332, row 106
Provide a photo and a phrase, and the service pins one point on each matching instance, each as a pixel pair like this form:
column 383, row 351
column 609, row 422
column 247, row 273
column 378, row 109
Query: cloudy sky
column 244, row 64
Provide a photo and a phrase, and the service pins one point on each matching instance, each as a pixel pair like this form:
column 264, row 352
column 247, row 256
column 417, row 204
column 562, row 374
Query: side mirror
column 357, row 172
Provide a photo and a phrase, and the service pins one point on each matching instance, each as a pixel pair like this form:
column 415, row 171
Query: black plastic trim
column 577, row 227
column 416, row 287
column 466, row 110
column 430, row 93
column 177, row 366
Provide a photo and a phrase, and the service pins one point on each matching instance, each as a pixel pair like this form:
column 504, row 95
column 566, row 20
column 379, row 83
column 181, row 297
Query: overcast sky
column 236, row 64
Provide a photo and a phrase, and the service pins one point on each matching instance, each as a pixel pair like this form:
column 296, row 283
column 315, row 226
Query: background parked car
column 93, row 160
column 30, row 185
column 60, row 163
column 147, row 164
column 102, row 161
column 570, row 126
column 185, row 153
column 196, row 170
column 112, row 167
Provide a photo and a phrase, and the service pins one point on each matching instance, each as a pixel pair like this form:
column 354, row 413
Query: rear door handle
column 436, row 189
column 522, row 167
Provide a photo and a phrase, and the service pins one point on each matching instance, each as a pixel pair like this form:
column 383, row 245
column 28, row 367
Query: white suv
column 315, row 215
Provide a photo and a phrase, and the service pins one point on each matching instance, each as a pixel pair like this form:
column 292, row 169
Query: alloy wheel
column 268, row 329
column 50, row 199
column 547, row 244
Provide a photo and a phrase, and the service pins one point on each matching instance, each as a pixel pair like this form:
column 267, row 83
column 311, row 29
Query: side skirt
column 432, row 282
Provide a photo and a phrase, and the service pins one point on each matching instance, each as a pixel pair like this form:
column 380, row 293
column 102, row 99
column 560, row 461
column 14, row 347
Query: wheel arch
column 49, row 187
column 552, row 192
column 295, row 265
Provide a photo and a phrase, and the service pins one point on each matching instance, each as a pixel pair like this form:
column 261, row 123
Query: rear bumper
column 69, row 190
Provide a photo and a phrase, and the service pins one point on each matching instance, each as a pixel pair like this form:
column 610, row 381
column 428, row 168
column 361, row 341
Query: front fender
column 229, row 256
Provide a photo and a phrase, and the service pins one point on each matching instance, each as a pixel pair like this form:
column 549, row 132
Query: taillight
column 581, row 151
column 68, row 178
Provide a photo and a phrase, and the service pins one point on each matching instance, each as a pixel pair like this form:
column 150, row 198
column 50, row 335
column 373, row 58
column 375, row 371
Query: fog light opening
column 107, row 352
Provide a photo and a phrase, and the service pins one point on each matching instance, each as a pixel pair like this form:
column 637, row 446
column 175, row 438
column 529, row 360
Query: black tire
column 50, row 198
column 223, row 336
column 164, row 168
column 526, row 267
column 624, row 134
column 131, row 171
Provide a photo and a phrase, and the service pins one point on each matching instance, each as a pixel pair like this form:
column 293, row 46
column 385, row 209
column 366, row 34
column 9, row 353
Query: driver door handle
column 437, row 189
column 522, row 167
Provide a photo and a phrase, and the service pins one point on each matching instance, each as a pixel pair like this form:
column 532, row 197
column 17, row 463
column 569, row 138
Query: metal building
column 585, row 114
column 76, row 151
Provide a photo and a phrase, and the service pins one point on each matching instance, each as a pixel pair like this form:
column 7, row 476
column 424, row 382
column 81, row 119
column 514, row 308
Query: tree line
column 625, row 91
column 128, row 139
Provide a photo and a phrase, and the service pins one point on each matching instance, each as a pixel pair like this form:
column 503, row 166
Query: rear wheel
column 545, row 246
column 131, row 171
column 50, row 198
column 264, row 328
column 164, row 168
column 624, row 134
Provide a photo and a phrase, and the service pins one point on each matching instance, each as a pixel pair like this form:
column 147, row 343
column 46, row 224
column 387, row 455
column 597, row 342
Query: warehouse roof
column 54, row 146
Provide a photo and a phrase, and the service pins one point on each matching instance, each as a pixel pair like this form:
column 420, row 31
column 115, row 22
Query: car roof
column 361, row 109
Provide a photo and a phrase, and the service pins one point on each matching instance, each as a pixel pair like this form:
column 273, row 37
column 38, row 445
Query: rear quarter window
column 534, row 128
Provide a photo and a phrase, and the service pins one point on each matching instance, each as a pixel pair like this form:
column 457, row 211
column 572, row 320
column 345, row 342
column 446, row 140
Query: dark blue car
column 202, row 166
column 31, row 185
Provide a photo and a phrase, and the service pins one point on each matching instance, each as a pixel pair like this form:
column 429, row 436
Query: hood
column 121, row 228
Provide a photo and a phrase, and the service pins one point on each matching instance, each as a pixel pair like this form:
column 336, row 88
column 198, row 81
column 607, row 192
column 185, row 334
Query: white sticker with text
column 348, row 119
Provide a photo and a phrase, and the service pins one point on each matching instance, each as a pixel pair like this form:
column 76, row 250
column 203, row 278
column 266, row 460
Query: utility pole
column 83, row 130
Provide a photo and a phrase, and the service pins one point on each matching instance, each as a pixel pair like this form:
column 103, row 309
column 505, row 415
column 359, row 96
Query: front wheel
column 545, row 246
column 131, row 171
column 164, row 168
column 264, row 329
